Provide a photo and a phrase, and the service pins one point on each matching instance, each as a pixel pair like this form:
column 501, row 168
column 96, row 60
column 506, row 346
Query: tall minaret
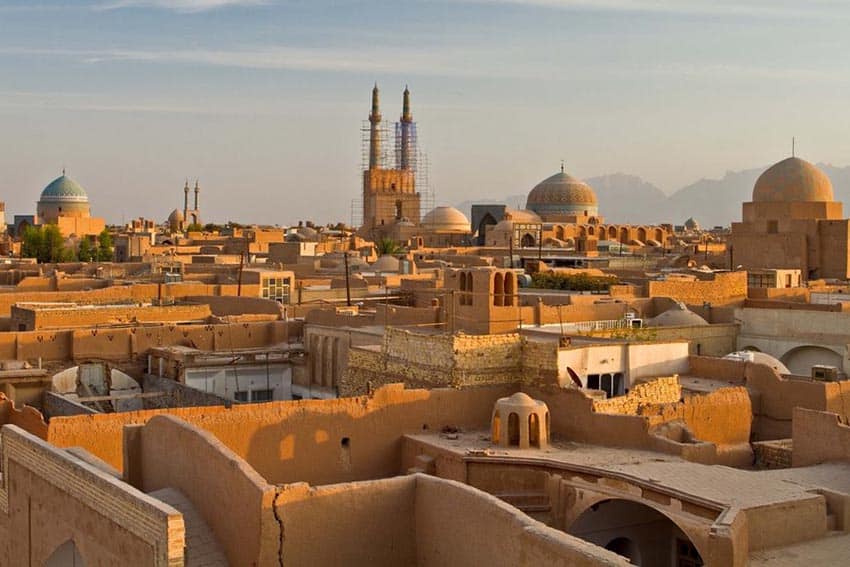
column 186, row 199
column 406, row 127
column 375, row 132
column 197, row 191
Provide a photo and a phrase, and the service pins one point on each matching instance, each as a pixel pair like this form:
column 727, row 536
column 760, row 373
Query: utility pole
column 347, row 282
column 239, row 281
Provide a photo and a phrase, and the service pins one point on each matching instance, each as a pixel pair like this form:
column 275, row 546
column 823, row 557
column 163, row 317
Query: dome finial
column 793, row 148
column 63, row 170
column 562, row 166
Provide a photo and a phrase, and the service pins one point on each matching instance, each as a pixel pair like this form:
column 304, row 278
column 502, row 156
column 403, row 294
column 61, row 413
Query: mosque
column 179, row 221
column 64, row 203
column 793, row 222
column 561, row 211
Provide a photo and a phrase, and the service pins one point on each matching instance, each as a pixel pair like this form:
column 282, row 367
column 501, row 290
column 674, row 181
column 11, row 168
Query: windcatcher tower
column 390, row 192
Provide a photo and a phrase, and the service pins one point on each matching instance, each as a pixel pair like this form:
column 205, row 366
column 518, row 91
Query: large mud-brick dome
column 562, row 194
column 446, row 219
column 792, row 180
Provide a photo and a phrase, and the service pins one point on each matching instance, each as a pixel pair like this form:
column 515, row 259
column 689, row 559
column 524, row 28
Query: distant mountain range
column 625, row 198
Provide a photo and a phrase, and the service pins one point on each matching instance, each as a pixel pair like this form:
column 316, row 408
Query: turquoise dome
column 64, row 189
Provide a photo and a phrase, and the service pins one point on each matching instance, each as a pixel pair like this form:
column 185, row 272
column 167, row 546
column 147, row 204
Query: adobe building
column 504, row 475
column 793, row 222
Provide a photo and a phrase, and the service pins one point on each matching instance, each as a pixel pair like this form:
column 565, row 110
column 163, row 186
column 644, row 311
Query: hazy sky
column 263, row 100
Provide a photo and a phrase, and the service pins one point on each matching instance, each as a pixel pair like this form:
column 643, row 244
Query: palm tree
column 388, row 246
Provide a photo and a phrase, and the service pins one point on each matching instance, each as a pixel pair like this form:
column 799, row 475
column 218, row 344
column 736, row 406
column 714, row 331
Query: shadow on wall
column 331, row 441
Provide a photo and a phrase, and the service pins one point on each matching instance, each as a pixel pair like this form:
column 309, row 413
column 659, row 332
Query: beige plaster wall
column 235, row 501
column 819, row 437
column 54, row 497
column 302, row 441
column 363, row 523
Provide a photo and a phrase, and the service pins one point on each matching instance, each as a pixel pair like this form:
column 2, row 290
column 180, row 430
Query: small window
column 241, row 396
column 262, row 395
column 772, row 227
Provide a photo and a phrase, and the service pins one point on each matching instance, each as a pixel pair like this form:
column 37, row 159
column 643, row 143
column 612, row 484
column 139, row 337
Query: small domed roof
column 446, row 219
column 521, row 215
column 561, row 189
column 692, row 224
column 519, row 400
column 758, row 358
column 64, row 189
column 386, row 263
column 679, row 316
column 176, row 216
column 793, row 179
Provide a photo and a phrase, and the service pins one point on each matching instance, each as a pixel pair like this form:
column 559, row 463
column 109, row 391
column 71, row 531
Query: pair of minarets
column 186, row 198
column 406, row 124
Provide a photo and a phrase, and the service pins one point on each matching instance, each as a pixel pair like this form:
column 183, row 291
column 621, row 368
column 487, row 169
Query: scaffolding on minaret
column 392, row 156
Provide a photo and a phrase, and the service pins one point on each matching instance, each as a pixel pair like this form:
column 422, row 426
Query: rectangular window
column 593, row 382
column 262, row 395
column 241, row 396
column 772, row 227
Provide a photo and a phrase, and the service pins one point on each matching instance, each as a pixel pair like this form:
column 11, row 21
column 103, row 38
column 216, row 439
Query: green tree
column 52, row 244
column 104, row 246
column 44, row 243
column 85, row 253
column 31, row 242
column 194, row 227
column 388, row 246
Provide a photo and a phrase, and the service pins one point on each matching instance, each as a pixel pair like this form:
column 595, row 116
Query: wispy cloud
column 377, row 61
column 770, row 8
column 178, row 5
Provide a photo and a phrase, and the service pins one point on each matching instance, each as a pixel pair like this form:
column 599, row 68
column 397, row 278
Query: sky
column 263, row 100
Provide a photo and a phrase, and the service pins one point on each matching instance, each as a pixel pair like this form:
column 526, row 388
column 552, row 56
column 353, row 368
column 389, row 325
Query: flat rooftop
column 720, row 485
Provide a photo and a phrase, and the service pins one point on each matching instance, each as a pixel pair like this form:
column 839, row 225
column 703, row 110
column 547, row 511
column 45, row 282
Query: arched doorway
column 638, row 532
column 485, row 222
column 527, row 241
column 612, row 233
column 66, row 555
column 625, row 547
column 801, row 359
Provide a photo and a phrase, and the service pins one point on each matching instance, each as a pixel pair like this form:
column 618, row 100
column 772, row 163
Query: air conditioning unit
column 824, row 373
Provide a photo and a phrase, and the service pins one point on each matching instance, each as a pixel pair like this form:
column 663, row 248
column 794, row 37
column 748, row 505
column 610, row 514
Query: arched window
column 510, row 289
column 513, row 429
column 498, row 289
column 66, row 555
column 533, row 430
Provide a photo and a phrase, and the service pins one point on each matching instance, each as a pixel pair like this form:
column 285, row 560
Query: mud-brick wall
column 539, row 362
column 659, row 391
column 727, row 287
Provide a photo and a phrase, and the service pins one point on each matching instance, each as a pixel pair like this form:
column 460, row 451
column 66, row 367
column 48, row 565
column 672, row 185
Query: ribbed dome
column 64, row 189
column 561, row 188
column 447, row 219
column 793, row 179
